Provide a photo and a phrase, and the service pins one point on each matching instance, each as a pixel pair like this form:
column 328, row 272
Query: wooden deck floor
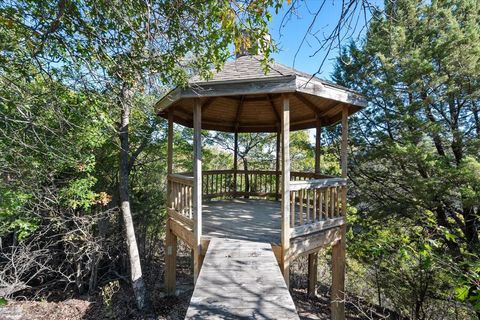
column 240, row 280
column 244, row 219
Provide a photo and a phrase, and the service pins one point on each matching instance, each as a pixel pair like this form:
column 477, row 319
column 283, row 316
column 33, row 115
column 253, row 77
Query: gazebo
column 297, row 213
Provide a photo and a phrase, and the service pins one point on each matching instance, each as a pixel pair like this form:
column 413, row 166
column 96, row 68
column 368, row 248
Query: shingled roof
column 243, row 97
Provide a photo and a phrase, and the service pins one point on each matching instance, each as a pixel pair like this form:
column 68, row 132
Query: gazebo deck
column 256, row 220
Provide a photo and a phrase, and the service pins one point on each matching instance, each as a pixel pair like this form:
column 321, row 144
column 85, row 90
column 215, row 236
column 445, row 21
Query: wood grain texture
column 240, row 280
column 285, row 234
column 197, row 188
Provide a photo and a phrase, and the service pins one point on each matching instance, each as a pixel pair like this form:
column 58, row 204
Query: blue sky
column 289, row 36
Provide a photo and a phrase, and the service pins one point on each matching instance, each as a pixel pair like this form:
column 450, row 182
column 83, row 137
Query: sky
column 289, row 35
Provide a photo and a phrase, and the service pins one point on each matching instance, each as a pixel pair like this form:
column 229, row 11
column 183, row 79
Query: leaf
column 461, row 292
column 3, row 302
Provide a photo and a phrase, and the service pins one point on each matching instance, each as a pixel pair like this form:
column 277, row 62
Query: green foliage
column 416, row 148
column 12, row 216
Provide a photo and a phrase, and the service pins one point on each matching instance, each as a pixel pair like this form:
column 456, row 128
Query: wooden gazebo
column 297, row 213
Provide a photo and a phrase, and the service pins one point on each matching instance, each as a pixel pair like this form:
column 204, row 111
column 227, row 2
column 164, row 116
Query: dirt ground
column 115, row 301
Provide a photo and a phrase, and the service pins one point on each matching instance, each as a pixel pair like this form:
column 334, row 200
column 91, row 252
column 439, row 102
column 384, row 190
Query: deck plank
column 240, row 280
column 244, row 219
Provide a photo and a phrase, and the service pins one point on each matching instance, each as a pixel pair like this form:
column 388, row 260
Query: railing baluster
column 300, row 211
column 292, row 209
column 337, row 203
column 332, row 203
column 314, row 217
column 307, row 215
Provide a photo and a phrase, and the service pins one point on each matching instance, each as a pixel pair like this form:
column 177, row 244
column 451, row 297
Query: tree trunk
column 138, row 283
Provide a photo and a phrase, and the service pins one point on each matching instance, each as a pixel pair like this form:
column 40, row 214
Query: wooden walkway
column 240, row 280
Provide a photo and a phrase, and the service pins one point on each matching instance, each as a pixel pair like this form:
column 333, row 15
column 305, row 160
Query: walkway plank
column 240, row 280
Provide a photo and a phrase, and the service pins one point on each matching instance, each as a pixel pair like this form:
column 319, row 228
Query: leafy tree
column 121, row 50
column 416, row 147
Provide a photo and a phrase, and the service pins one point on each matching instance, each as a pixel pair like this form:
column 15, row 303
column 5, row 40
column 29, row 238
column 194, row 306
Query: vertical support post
column 170, row 143
column 277, row 167
column 317, row 147
column 338, row 250
column 170, row 238
column 197, row 188
column 170, row 260
column 313, row 257
column 285, row 127
column 235, row 164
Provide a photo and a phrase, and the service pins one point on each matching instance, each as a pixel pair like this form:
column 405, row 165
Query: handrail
column 317, row 183
column 180, row 178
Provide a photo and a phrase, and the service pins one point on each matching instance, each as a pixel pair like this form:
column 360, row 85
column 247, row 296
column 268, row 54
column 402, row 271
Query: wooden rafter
column 277, row 115
column 307, row 103
column 207, row 104
column 239, row 112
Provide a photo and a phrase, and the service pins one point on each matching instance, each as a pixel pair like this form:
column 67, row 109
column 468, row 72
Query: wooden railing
column 180, row 206
column 301, row 176
column 316, row 204
column 218, row 183
column 315, row 199
column 255, row 183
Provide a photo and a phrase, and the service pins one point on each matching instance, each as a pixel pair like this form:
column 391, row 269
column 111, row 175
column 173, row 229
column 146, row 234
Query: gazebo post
column 277, row 167
column 235, row 164
column 313, row 257
column 285, row 237
column 197, row 188
column 338, row 249
column 170, row 237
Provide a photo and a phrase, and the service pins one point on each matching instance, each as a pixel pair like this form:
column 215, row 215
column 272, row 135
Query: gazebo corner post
column 170, row 237
column 338, row 249
column 235, row 163
column 285, row 236
column 313, row 257
column 277, row 166
column 197, row 188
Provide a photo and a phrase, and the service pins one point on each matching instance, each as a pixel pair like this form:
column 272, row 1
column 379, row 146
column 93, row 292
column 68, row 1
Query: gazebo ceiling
column 242, row 98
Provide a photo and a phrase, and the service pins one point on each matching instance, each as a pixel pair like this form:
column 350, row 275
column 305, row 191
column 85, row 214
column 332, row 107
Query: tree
column 121, row 49
column 416, row 147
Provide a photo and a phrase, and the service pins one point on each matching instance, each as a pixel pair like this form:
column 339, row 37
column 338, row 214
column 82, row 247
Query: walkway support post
column 338, row 250
column 285, row 127
column 197, row 188
column 170, row 238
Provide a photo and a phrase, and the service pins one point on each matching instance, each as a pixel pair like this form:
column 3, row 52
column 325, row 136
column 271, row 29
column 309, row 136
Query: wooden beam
column 307, row 229
column 307, row 103
column 318, row 146
column 277, row 167
column 239, row 113
column 312, row 274
column 338, row 250
column 170, row 143
column 277, row 115
column 250, row 98
column 344, row 140
column 183, row 232
column 338, row 278
column 207, row 104
column 170, row 238
column 285, row 236
column 306, row 245
column 197, row 186
column 170, row 260
column 235, row 163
